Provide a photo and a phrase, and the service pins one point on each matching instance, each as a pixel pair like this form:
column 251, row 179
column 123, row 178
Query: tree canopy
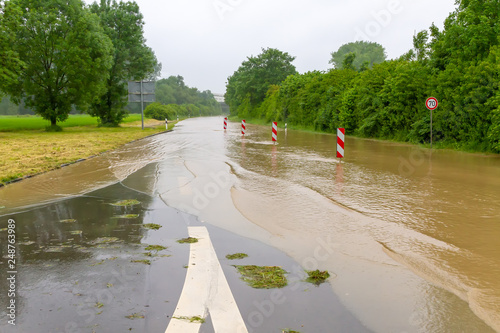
column 247, row 87
column 366, row 54
column 469, row 33
column 60, row 56
column 132, row 59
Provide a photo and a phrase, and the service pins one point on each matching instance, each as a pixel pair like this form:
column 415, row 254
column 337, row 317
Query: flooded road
column 408, row 236
column 95, row 250
column 437, row 213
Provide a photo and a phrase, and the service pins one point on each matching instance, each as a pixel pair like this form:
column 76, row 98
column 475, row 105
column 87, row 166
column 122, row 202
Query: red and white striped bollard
column 243, row 127
column 275, row 131
column 225, row 123
column 340, row 142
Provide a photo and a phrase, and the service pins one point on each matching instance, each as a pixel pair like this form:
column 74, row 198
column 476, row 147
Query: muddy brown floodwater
column 437, row 213
column 409, row 236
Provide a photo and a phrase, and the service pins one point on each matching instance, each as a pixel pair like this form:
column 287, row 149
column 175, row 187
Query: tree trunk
column 53, row 121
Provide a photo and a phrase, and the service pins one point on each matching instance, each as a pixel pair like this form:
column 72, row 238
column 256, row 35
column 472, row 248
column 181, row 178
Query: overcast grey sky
column 205, row 41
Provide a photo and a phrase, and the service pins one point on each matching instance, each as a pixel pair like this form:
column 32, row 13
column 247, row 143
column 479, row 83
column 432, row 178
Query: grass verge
column 20, row 123
column 263, row 277
column 30, row 152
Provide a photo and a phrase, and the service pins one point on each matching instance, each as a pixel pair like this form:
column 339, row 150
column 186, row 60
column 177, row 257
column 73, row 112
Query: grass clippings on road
column 152, row 226
column 156, row 248
column 236, row 256
column 135, row 316
column 126, row 203
column 317, row 277
column 188, row 240
column 263, row 277
column 194, row 319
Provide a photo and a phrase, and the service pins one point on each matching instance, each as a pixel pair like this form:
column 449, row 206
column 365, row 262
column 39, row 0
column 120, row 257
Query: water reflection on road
column 81, row 265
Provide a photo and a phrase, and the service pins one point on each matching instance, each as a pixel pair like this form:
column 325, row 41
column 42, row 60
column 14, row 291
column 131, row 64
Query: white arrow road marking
column 205, row 290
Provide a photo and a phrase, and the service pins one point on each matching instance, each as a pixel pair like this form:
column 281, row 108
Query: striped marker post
column 275, row 131
column 340, row 142
column 243, row 127
column 225, row 123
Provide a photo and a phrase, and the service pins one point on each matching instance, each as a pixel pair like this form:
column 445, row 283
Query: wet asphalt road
column 76, row 270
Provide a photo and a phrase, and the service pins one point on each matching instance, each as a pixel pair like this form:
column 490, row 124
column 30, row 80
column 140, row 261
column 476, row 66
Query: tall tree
column 63, row 53
column 367, row 54
column 348, row 62
column 10, row 64
column 250, row 83
column 132, row 59
column 420, row 45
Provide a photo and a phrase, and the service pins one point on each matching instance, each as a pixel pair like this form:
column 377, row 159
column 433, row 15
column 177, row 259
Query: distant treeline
column 172, row 93
column 174, row 98
column 459, row 66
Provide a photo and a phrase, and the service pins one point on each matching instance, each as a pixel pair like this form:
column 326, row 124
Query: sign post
column 340, row 142
column 431, row 103
column 142, row 105
column 143, row 92
column 275, row 131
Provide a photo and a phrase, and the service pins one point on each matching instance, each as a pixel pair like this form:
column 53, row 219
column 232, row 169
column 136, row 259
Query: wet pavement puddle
column 83, row 267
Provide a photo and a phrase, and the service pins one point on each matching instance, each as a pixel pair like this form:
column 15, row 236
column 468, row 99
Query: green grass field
column 28, row 149
column 20, row 123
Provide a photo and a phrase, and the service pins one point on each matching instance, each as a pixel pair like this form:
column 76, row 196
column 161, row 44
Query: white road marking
column 205, row 290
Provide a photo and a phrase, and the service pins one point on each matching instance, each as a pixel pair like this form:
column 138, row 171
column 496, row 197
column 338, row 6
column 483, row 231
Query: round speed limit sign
column 431, row 103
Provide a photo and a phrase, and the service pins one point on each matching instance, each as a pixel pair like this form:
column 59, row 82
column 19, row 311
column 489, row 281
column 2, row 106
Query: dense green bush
column 158, row 111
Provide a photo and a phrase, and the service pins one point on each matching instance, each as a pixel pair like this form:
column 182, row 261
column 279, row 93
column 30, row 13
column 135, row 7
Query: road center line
column 205, row 290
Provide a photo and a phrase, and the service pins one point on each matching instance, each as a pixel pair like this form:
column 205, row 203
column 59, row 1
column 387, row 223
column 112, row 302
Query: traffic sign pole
column 431, row 129
column 431, row 103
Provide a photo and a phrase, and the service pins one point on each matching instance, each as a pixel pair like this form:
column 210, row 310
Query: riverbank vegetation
column 458, row 65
